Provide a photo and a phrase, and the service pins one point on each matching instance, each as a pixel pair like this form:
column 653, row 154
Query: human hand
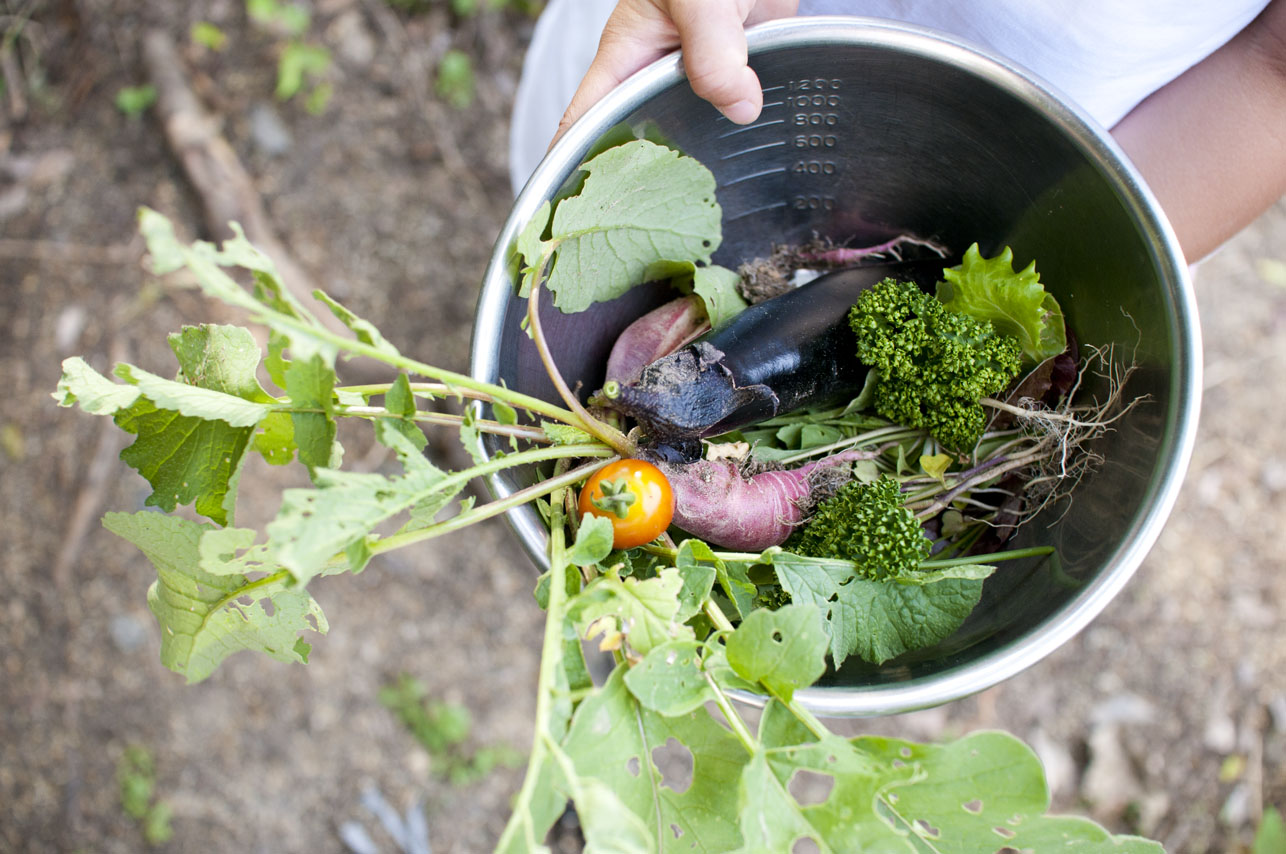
column 712, row 35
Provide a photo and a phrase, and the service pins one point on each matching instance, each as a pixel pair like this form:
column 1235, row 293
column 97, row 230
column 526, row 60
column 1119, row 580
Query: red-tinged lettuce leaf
column 1016, row 304
column 644, row 211
column 200, row 596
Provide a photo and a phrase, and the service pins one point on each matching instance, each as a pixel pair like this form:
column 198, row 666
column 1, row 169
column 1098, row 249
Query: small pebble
column 128, row 634
column 356, row 839
column 1123, row 708
column 270, row 134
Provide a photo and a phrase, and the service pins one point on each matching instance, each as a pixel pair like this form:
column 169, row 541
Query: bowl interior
column 870, row 131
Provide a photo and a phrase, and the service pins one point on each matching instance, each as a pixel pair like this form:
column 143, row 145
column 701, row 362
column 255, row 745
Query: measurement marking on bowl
column 755, row 126
column 753, row 149
column 759, row 209
column 759, row 174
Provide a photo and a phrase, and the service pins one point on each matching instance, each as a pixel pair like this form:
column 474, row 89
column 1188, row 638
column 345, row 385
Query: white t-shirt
column 1106, row 55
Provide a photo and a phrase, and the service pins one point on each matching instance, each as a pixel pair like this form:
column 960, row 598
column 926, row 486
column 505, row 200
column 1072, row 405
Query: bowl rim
column 1179, row 430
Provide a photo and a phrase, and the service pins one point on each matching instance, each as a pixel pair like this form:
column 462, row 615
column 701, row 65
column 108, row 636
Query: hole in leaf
column 923, row 828
column 676, row 830
column 805, row 845
column 974, row 806
column 776, row 636
column 632, row 765
column 269, row 607
column 674, row 761
column 1003, row 832
column 810, row 788
column 906, row 752
column 898, row 763
column 893, row 797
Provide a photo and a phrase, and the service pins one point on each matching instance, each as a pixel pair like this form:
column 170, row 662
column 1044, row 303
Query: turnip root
column 658, row 333
column 714, row 502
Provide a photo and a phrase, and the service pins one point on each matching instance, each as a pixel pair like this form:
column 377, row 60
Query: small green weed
column 136, row 778
column 1270, row 838
column 133, row 101
column 208, row 36
column 455, row 82
column 442, row 730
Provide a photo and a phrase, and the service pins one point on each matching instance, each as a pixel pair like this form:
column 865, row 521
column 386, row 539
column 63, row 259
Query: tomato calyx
column 616, row 497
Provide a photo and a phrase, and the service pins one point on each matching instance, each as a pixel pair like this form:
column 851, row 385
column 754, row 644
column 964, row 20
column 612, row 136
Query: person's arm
column 712, row 35
column 1211, row 144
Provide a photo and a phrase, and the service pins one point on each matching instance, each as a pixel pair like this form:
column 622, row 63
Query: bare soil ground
column 1167, row 716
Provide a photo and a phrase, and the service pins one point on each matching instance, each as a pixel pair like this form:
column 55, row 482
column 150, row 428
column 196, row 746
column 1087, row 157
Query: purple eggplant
column 792, row 351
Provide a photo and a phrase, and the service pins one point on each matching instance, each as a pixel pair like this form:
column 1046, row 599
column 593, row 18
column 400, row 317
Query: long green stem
column 446, row 419
column 413, row 366
column 551, row 658
column 607, row 434
column 995, row 557
column 500, row 505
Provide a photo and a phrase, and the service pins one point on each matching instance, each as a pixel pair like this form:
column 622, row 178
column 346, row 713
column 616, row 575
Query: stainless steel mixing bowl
column 871, row 129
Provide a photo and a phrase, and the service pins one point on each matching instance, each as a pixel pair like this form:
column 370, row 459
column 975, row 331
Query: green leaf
column 193, row 401
column 187, row 460
column 202, row 615
column 208, row 36
column 808, row 583
column 133, row 101
column 698, row 578
column 879, row 620
column 980, row 793
column 455, row 83
column 894, row 618
column 613, row 739
column 646, row 611
column 310, row 384
column 717, row 287
column 363, row 329
column 772, row 819
column 669, row 680
column 593, row 541
column 562, row 434
column 644, row 210
column 783, row 649
column 314, row 525
column 1016, row 304
column 94, row 393
column 1270, row 838
column 400, row 401
column 298, row 61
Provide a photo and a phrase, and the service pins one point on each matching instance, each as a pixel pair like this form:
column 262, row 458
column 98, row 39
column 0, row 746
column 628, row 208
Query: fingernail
column 742, row 112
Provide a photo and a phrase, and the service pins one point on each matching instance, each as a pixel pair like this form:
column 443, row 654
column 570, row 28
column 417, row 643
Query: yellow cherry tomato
column 635, row 496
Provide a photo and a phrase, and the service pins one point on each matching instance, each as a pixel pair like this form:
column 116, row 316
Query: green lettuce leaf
column 1016, row 304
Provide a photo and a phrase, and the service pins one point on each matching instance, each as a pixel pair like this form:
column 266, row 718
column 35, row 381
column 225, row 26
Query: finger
column 714, row 55
column 635, row 35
